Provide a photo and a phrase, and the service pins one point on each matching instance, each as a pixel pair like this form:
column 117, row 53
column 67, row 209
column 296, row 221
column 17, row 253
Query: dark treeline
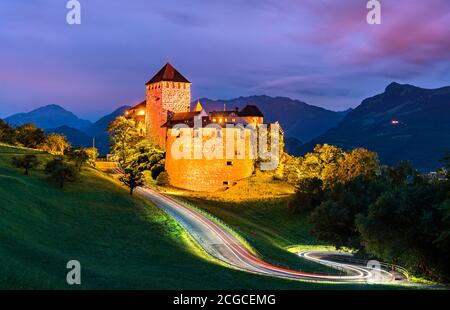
column 27, row 135
column 393, row 213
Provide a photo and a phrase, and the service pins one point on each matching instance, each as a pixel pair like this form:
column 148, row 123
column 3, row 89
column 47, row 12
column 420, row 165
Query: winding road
column 218, row 242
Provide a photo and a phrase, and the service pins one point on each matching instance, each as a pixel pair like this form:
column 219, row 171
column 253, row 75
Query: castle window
column 233, row 120
column 229, row 163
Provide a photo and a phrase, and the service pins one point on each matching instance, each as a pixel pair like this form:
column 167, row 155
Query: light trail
column 222, row 245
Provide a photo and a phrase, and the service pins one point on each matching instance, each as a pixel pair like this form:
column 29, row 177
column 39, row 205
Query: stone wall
column 205, row 174
column 161, row 98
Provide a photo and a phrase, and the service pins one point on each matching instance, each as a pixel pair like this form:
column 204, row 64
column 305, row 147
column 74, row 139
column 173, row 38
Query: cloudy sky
column 322, row 52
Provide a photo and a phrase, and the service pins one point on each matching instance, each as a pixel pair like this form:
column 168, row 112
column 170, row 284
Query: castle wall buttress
column 163, row 97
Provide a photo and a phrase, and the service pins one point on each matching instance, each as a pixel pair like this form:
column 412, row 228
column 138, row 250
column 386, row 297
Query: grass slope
column 257, row 209
column 122, row 242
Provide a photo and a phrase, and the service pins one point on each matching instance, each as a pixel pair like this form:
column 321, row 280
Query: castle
column 168, row 106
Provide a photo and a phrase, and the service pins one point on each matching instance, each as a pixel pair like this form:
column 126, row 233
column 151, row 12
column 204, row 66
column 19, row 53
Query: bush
column 29, row 135
column 309, row 194
column 61, row 172
column 157, row 170
column 26, row 162
column 55, row 144
column 163, row 179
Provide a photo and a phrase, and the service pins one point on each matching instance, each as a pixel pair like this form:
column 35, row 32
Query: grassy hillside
column 257, row 208
column 121, row 241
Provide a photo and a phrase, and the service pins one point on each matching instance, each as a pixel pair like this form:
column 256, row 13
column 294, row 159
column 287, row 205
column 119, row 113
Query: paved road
column 222, row 245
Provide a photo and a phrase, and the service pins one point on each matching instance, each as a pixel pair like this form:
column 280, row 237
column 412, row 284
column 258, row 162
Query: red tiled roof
column 168, row 73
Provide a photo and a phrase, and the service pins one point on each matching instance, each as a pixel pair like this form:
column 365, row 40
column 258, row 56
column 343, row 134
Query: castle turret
column 167, row 91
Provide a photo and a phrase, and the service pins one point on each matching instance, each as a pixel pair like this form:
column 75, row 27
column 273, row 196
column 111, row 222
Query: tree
column 26, row 162
column 92, row 153
column 308, row 195
column 79, row 156
column 403, row 173
column 29, row 135
column 147, row 156
column 358, row 163
column 61, row 172
column 132, row 178
column 323, row 163
column 124, row 136
column 55, row 144
column 7, row 133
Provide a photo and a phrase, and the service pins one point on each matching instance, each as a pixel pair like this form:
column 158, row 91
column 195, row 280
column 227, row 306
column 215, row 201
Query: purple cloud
column 321, row 52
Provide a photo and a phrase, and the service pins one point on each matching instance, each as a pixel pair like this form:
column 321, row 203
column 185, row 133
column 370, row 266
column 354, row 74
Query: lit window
column 141, row 112
column 220, row 120
column 233, row 120
column 214, row 120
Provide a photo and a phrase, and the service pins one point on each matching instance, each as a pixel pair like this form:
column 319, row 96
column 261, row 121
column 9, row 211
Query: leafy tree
column 7, row 133
column 61, row 172
column 358, row 163
column 323, row 163
column 308, row 195
column 26, row 162
column 132, row 178
column 79, row 156
column 147, row 156
column 29, row 135
column 401, row 174
column 124, row 136
column 55, row 144
column 92, row 153
column 292, row 168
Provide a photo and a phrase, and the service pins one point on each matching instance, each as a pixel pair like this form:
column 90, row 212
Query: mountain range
column 404, row 122
column 55, row 119
column 50, row 116
column 298, row 119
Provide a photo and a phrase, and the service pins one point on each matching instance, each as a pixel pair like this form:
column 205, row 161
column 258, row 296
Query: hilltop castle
column 168, row 104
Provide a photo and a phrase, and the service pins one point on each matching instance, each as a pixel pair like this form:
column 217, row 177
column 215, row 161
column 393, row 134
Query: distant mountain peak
column 297, row 118
column 49, row 116
column 420, row 133
column 395, row 87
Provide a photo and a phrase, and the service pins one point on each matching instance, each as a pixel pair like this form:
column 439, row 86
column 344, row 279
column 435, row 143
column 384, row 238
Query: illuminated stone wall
column 161, row 98
column 209, row 174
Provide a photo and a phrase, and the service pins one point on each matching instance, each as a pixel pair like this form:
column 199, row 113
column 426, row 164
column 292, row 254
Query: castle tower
column 168, row 91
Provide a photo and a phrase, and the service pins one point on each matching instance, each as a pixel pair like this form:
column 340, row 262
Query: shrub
column 61, row 172
column 26, row 162
column 162, row 179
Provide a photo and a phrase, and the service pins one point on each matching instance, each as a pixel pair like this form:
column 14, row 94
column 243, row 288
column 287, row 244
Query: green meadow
column 122, row 242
